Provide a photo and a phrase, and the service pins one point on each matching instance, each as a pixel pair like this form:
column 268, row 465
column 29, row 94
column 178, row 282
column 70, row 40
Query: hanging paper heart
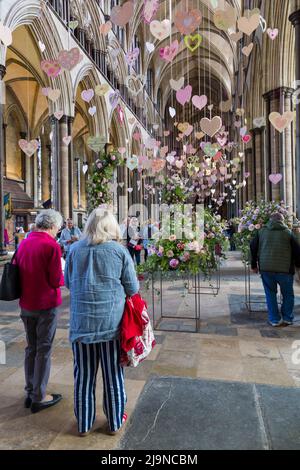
column 160, row 29
column 236, row 36
column 58, row 115
column 155, row 127
column 172, row 112
column 237, row 124
column 166, row 133
column 249, row 25
column 188, row 130
column 132, row 56
column 121, row 15
column 177, row 84
column 45, row 91
column 247, row 138
column 259, row 122
column 199, row 101
column 131, row 120
column 163, row 151
column 170, row 159
column 88, row 95
column 169, row 52
column 96, row 143
column 179, row 164
column 281, row 122
column 122, row 150
column 137, row 136
column 51, row 67
column 102, row 89
column 150, row 47
column 42, row 46
column 182, row 126
column 149, row 10
column 192, row 42
column 247, row 174
column 240, row 112
column 29, row 148
column 114, row 99
column 67, row 140
column 135, row 83
column 53, row 95
column 92, row 110
column 85, row 168
column 105, row 28
column 151, row 143
column 69, row 59
column 5, row 35
column 211, row 126
column 272, row 33
column 130, row 190
column 132, row 162
column 199, row 135
column 210, row 150
column 73, row 24
column 184, row 95
column 226, row 18
column 157, row 165
column 225, row 106
column 222, row 140
column 187, row 21
column 243, row 131
column 247, row 49
column 275, row 178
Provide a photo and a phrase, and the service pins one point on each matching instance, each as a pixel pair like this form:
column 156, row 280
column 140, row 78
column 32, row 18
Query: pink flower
column 170, row 254
column 174, row 263
column 172, row 238
column 257, row 226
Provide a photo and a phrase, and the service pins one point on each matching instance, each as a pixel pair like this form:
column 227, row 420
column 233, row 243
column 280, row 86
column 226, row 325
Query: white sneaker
column 275, row 325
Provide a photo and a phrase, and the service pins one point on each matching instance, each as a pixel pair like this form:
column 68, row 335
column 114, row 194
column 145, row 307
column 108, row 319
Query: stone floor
column 231, row 347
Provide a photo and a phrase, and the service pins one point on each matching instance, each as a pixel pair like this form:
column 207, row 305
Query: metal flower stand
column 255, row 303
column 176, row 299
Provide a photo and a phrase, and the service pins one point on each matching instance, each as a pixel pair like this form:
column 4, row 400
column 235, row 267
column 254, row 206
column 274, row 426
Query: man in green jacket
column 276, row 251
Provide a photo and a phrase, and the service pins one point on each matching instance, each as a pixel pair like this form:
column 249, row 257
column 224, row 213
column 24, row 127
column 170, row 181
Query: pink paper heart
column 59, row 115
column 247, row 138
column 51, row 67
column 184, row 95
column 69, row 59
column 121, row 15
column 169, row 52
column 199, row 101
column 67, row 140
column 272, row 33
column 132, row 56
column 28, row 147
column 87, row 95
column 275, row 178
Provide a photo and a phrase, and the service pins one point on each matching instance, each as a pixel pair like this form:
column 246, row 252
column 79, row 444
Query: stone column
column 2, row 147
column 279, row 150
column 55, row 164
column 71, row 167
column 288, row 150
column 249, row 168
column 295, row 20
column 259, row 162
column 63, row 167
column 45, row 170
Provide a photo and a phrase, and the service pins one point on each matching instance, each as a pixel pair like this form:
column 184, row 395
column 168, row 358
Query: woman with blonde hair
column 100, row 274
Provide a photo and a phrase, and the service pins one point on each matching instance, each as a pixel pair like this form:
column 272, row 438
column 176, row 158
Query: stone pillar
column 259, row 162
column 71, row 167
column 249, row 168
column 288, row 150
column 295, row 20
column 279, row 151
column 55, row 164
column 46, row 154
column 2, row 147
column 63, row 167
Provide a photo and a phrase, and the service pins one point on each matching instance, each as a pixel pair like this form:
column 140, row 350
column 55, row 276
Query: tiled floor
column 232, row 345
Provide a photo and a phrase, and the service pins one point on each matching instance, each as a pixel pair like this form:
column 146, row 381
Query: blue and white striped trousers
column 86, row 362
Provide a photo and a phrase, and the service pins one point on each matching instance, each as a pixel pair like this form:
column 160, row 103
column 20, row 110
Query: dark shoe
column 39, row 406
column 27, row 402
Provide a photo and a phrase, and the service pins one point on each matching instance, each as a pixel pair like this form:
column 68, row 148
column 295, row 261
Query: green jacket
column 275, row 249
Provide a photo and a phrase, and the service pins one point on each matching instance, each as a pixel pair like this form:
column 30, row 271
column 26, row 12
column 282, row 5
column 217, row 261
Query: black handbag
column 10, row 286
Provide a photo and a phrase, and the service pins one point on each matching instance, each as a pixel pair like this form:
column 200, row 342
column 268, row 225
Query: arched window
column 159, row 99
column 150, row 82
column 136, row 44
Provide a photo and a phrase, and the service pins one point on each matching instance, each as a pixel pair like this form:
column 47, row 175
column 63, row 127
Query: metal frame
column 212, row 289
column 249, row 302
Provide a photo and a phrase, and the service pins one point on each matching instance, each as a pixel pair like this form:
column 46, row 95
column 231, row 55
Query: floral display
column 175, row 189
column 192, row 254
column 255, row 216
column 99, row 184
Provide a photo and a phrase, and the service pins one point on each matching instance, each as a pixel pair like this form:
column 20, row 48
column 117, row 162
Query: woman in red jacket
column 39, row 262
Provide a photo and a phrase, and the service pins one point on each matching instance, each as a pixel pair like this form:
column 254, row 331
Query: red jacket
column 132, row 324
column 39, row 261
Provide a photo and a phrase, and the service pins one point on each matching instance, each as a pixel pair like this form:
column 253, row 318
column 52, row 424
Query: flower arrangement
column 255, row 216
column 192, row 254
column 174, row 189
column 99, row 190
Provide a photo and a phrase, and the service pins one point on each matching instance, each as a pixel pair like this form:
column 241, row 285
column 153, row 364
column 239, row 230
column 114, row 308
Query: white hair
column 101, row 227
column 47, row 219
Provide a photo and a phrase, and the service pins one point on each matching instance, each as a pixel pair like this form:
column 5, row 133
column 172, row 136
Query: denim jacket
column 99, row 277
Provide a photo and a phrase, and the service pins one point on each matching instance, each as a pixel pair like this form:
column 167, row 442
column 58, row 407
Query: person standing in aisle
column 100, row 274
column 39, row 262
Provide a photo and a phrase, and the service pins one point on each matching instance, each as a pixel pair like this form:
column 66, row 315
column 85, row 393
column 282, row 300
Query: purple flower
column 174, row 263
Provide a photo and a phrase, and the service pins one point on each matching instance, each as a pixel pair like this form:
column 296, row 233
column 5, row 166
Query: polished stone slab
column 191, row 414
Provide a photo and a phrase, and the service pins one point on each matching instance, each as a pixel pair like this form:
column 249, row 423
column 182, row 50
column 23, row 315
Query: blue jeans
column 285, row 281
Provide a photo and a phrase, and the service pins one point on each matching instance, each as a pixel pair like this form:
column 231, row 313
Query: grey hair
column 277, row 217
column 101, row 227
column 47, row 219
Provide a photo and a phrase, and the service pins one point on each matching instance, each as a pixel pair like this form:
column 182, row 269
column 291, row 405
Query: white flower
column 251, row 227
